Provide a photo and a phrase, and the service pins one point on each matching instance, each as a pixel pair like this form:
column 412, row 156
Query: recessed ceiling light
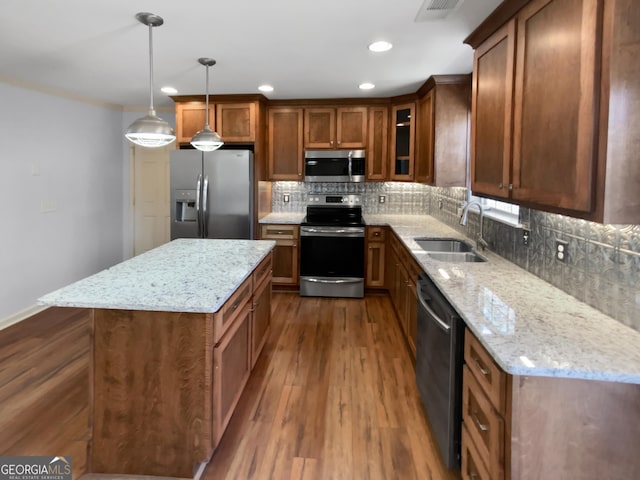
column 380, row 46
column 366, row 86
column 265, row 88
column 169, row 90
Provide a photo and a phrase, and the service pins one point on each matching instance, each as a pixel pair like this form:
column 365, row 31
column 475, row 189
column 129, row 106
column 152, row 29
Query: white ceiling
column 304, row 48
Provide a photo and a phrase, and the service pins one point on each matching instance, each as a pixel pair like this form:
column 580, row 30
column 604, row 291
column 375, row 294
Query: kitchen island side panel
column 152, row 384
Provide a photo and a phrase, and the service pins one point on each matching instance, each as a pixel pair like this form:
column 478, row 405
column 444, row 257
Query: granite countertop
column 529, row 326
column 185, row 275
column 283, row 218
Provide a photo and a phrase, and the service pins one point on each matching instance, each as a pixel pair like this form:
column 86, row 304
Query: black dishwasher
column 439, row 358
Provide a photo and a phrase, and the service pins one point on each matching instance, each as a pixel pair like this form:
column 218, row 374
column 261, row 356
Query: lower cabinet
column 231, row 369
column 375, row 261
column 518, row 427
column 402, row 279
column 260, row 318
column 248, row 318
column 286, row 253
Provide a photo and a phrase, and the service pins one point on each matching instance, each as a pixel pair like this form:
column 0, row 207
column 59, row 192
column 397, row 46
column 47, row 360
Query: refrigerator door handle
column 198, row 193
column 205, row 214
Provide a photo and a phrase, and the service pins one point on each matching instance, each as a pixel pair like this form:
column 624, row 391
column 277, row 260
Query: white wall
column 65, row 156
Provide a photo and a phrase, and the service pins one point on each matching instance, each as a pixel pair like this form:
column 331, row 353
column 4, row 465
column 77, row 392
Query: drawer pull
column 235, row 305
column 477, row 421
column 473, row 475
column 483, row 370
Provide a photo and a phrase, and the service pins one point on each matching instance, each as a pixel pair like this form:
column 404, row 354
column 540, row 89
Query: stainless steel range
column 332, row 247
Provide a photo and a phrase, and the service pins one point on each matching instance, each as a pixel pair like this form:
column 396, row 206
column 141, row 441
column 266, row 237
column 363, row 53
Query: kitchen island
column 175, row 333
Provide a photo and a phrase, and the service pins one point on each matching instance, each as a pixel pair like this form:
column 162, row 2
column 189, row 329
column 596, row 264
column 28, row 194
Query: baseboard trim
column 21, row 315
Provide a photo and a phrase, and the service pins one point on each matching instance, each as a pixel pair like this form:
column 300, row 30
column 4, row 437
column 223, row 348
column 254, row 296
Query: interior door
column 150, row 197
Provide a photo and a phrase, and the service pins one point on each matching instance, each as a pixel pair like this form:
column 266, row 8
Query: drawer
column 484, row 425
column 231, row 309
column 376, row 234
column 491, row 378
column 275, row 232
column 473, row 467
column 262, row 271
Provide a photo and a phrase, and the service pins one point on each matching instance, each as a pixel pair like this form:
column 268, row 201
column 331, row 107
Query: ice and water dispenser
column 185, row 205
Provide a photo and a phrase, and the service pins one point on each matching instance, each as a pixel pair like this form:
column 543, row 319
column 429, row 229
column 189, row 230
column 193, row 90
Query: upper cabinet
column 378, row 143
column 556, row 97
column 442, row 130
column 341, row 127
column 284, row 138
column 402, row 142
column 234, row 122
column 190, row 119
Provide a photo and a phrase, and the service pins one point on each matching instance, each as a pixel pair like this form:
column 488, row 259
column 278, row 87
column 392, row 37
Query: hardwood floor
column 332, row 397
column 44, row 386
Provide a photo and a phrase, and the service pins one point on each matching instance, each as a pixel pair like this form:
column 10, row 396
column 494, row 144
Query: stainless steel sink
column 443, row 245
column 456, row 257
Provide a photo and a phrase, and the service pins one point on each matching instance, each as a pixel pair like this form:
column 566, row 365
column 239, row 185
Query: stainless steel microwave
column 334, row 165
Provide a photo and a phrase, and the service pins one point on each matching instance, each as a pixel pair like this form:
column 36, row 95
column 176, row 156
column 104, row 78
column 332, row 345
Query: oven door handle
column 321, row 280
column 307, row 231
column 441, row 323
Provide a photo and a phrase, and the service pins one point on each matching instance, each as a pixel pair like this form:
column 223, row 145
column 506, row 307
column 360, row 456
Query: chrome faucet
column 480, row 241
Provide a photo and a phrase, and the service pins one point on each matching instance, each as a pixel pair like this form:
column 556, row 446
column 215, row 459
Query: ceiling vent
column 436, row 9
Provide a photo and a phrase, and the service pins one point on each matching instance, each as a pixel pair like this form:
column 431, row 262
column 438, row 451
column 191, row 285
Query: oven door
column 332, row 261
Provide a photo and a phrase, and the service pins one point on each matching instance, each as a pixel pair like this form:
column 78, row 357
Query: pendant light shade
column 150, row 130
column 206, row 139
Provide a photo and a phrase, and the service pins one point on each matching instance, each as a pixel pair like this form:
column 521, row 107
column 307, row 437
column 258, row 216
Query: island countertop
column 185, row 275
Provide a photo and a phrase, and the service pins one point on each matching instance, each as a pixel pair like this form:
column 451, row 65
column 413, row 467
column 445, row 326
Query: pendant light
column 206, row 139
column 150, row 130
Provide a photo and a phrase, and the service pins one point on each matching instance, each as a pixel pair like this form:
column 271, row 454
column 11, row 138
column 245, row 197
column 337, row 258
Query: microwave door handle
column 441, row 323
column 198, row 194
column 350, row 166
column 205, row 213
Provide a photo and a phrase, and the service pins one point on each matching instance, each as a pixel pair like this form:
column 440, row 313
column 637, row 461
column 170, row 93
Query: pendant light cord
column 151, row 67
column 207, row 99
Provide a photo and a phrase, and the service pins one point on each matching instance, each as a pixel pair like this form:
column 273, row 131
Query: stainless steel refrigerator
column 211, row 194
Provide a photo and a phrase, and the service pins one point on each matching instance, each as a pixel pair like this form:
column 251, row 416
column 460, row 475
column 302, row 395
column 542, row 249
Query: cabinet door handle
column 511, row 186
column 481, row 426
column 235, row 305
column 473, row 475
column 500, row 186
column 483, row 370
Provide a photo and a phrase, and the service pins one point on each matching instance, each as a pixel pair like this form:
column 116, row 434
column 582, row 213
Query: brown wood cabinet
column 261, row 308
column 234, row 122
column 402, row 278
column 402, row 149
column 378, row 143
column 375, row 267
column 555, row 97
column 231, row 369
column 285, row 143
column 524, row 427
column 339, row 127
column 442, row 130
column 190, row 119
column 285, row 254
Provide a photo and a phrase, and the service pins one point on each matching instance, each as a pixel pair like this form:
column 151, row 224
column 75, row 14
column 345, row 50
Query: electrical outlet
column 285, row 198
column 525, row 236
column 562, row 250
column 382, row 198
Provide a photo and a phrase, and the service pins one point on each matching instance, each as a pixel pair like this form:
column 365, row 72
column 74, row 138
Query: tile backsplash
column 602, row 265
